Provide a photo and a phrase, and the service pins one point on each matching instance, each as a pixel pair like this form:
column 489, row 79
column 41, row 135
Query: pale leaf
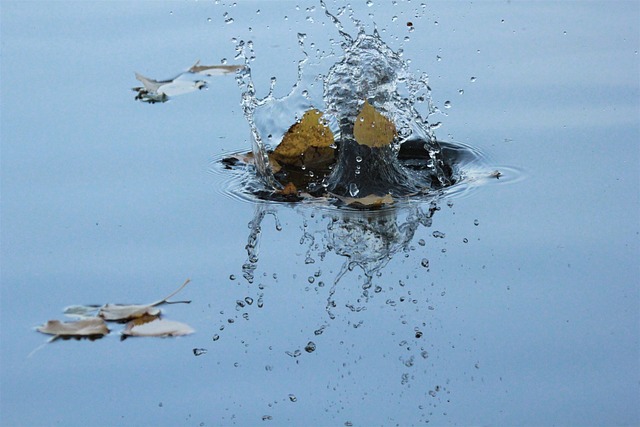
column 122, row 312
column 90, row 327
column 156, row 327
column 372, row 128
column 81, row 311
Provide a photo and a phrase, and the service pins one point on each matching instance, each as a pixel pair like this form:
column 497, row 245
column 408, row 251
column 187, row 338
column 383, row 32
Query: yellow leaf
column 372, row 128
column 308, row 142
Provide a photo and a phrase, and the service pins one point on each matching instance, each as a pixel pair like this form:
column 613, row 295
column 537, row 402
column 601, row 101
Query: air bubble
column 461, row 91
column 476, row 222
column 369, row 3
column 447, row 104
column 424, row 263
column 472, row 79
column 310, row 347
column 216, row 337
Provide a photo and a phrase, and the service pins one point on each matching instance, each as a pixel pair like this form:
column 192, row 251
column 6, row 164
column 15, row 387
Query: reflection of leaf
column 372, row 128
column 151, row 326
column 307, row 142
column 93, row 327
column 121, row 312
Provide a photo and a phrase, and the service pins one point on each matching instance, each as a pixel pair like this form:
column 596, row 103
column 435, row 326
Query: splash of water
column 367, row 71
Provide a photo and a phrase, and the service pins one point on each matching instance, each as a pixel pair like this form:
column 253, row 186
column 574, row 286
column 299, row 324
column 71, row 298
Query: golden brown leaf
column 372, row 128
column 308, row 142
column 289, row 190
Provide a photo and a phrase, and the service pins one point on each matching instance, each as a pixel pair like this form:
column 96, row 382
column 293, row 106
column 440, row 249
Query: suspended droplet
column 353, row 189
column 199, row 351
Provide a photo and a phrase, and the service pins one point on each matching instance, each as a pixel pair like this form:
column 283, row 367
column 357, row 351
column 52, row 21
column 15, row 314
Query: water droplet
column 369, row 3
column 461, row 91
column 358, row 159
column 447, row 104
column 421, row 242
column 473, row 79
column 394, row 18
column 208, row 19
column 418, row 334
column 424, row 263
column 438, row 234
column 432, row 393
column 310, row 347
column 311, row 279
column 476, row 222
column 465, row 240
column 248, row 300
column 268, row 368
column 353, row 189
column 232, row 277
column 216, row 337
column 199, row 351
column 267, row 417
column 293, row 398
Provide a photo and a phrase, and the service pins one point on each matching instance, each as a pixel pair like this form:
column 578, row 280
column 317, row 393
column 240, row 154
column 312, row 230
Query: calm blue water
column 534, row 320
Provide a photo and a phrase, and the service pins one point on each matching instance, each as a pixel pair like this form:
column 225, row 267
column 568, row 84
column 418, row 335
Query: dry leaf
column 93, row 327
column 308, row 142
column 372, row 128
column 151, row 326
column 370, row 201
column 121, row 312
column 289, row 190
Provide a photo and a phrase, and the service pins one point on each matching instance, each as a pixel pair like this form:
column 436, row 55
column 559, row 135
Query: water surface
column 516, row 303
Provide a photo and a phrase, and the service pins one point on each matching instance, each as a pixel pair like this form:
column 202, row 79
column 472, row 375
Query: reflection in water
column 367, row 239
column 355, row 294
